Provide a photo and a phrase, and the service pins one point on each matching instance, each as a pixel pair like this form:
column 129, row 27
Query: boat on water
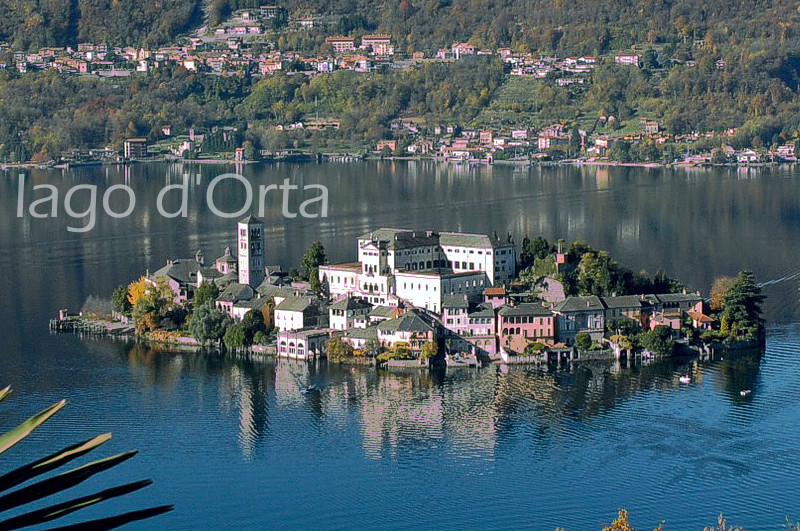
column 685, row 379
column 745, row 392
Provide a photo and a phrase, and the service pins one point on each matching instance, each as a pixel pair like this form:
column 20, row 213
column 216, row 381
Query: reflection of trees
column 465, row 410
column 244, row 384
column 739, row 372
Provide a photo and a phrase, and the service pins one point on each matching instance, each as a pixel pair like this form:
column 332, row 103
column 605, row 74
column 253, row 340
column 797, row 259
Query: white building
column 427, row 289
column 445, row 263
column 251, row 251
column 294, row 313
column 302, row 344
column 342, row 314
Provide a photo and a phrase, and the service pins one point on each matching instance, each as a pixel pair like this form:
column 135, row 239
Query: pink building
column 525, row 323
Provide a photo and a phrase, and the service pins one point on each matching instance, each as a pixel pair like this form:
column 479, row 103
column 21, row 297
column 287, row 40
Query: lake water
column 234, row 444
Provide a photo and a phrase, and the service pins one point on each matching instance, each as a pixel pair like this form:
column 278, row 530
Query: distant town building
column 135, row 148
column 380, row 44
column 342, row 44
column 631, row 59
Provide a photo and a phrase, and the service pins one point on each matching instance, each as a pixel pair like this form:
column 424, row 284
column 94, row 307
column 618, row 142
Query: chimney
column 587, row 303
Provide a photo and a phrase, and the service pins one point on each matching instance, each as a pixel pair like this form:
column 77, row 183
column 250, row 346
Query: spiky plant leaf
column 4, row 393
column 104, row 524
column 61, row 482
column 11, row 438
column 62, row 509
column 51, row 462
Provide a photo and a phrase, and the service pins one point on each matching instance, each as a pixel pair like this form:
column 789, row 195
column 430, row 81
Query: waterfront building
column 631, row 306
column 134, row 148
column 580, row 314
column 473, row 326
column 303, row 344
column 525, row 323
column 413, row 329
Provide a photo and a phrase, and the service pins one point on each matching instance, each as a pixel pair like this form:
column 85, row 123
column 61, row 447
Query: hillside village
column 245, row 45
column 412, row 294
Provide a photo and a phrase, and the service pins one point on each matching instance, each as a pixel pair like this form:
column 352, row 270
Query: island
column 425, row 298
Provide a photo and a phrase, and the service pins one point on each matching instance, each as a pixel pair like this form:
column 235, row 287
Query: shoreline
column 322, row 157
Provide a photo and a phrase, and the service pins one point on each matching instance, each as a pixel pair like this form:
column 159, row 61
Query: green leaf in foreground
column 62, row 509
column 51, row 462
column 61, row 482
column 11, row 438
column 113, row 522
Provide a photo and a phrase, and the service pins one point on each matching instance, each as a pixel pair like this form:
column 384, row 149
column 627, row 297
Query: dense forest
column 46, row 113
column 30, row 24
column 533, row 25
column 706, row 67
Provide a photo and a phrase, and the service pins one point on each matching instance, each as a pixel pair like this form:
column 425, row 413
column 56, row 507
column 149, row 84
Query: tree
column 429, row 349
column 152, row 306
column 208, row 291
column 659, row 341
column 209, row 323
column 313, row 280
column 534, row 348
column 136, row 290
column 719, row 288
column 235, row 336
column 594, row 274
column 253, row 323
column 583, row 341
column 119, row 300
column 373, row 347
column 337, row 349
column 742, row 307
column 314, row 257
column 249, row 151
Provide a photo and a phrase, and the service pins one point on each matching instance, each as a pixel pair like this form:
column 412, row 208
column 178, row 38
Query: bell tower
column 250, row 237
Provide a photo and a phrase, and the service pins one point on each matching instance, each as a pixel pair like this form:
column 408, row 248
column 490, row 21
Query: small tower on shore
column 250, row 236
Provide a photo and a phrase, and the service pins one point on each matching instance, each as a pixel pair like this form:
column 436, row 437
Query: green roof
column 182, row 270
column 581, row 304
column 295, row 304
column 408, row 322
column 481, row 311
column 236, row 292
column 623, row 301
column 251, row 220
column 455, row 301
column 525, row 309
column 370, row 332
column 349, row 303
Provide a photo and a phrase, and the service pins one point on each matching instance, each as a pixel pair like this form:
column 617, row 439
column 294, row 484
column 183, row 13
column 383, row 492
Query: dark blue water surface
column 233, row 444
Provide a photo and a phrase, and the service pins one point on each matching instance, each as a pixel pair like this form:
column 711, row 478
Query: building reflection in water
column 461, row 411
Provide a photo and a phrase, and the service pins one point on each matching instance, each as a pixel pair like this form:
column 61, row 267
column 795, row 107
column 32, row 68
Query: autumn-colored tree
column 621, row 523
column 337, row 350
column 429, row 349
column 137, row 290
column 720, row 286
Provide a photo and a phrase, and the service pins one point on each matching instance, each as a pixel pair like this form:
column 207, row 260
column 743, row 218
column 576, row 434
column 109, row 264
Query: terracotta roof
column 494, row 291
